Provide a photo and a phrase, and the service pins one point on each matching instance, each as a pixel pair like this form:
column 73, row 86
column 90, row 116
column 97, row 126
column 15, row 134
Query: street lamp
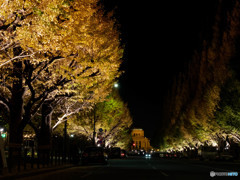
column 116, row 85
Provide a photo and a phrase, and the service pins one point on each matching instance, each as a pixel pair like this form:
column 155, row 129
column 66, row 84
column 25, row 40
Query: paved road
column 139, row 168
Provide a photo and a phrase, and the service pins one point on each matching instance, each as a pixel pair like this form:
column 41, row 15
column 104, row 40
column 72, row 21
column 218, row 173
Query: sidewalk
column 34, row 171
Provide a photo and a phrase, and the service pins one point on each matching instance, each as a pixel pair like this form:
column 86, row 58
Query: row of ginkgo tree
column 198, row 107
column 56, row 57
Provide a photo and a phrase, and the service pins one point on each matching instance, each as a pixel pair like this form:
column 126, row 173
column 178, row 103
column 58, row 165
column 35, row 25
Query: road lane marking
column 86, row 175
column 163, row 173
column 97, row 168
column 156, row 169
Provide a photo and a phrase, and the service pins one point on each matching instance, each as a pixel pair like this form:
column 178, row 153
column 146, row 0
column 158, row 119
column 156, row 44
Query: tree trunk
column 44, row 141
column 16, row 112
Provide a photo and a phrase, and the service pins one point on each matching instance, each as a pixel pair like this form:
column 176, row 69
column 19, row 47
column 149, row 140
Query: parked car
column 208, row 152
column 94, row 155
column 165, row 155
column 123, row 153
column 225, row 156
column 115, row 152
column 132, row 153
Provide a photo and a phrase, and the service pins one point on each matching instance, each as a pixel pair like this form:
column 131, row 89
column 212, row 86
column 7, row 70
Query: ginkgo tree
column 228, row 112
column 190, row 106
column 112, row 116
column 53, row 52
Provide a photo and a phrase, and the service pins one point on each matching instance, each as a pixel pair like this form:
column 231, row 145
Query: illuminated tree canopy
column 54, row 53
column 112, row 115
column 228, row 112
column 195, row 95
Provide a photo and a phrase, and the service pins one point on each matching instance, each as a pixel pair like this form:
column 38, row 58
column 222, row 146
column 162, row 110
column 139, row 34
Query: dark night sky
column 159, row 37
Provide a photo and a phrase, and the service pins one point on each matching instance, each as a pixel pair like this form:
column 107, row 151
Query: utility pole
column 65, row 142
column 94, row 125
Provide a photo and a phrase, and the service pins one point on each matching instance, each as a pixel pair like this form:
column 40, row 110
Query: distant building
column 139, row 141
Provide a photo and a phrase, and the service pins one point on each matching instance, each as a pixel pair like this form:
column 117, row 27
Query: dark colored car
column 115, row 152
column 123, row 153
column 94, row 155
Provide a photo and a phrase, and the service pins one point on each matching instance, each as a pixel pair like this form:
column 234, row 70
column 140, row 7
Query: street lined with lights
column 64, row 98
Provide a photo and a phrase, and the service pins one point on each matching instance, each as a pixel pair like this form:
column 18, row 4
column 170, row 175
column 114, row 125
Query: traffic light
column 3, row 135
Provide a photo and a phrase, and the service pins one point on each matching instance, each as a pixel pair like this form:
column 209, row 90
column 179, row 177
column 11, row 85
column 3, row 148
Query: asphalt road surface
column 140, row 168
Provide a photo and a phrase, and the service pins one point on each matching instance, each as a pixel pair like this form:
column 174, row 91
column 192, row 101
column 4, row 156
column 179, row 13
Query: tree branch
column 5, row 105
column 16, row 57
column 5, row 102
column 19, row 16
column 45, row 66
column 68, row 114
column 34, row 128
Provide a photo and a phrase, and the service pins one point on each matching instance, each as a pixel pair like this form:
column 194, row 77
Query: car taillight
column 122, row 154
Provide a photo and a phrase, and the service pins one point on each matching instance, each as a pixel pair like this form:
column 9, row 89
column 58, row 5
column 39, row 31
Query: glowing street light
column 116, row 85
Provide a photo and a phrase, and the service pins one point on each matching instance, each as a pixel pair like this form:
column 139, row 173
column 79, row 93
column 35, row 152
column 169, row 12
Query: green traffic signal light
column 3, row 135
